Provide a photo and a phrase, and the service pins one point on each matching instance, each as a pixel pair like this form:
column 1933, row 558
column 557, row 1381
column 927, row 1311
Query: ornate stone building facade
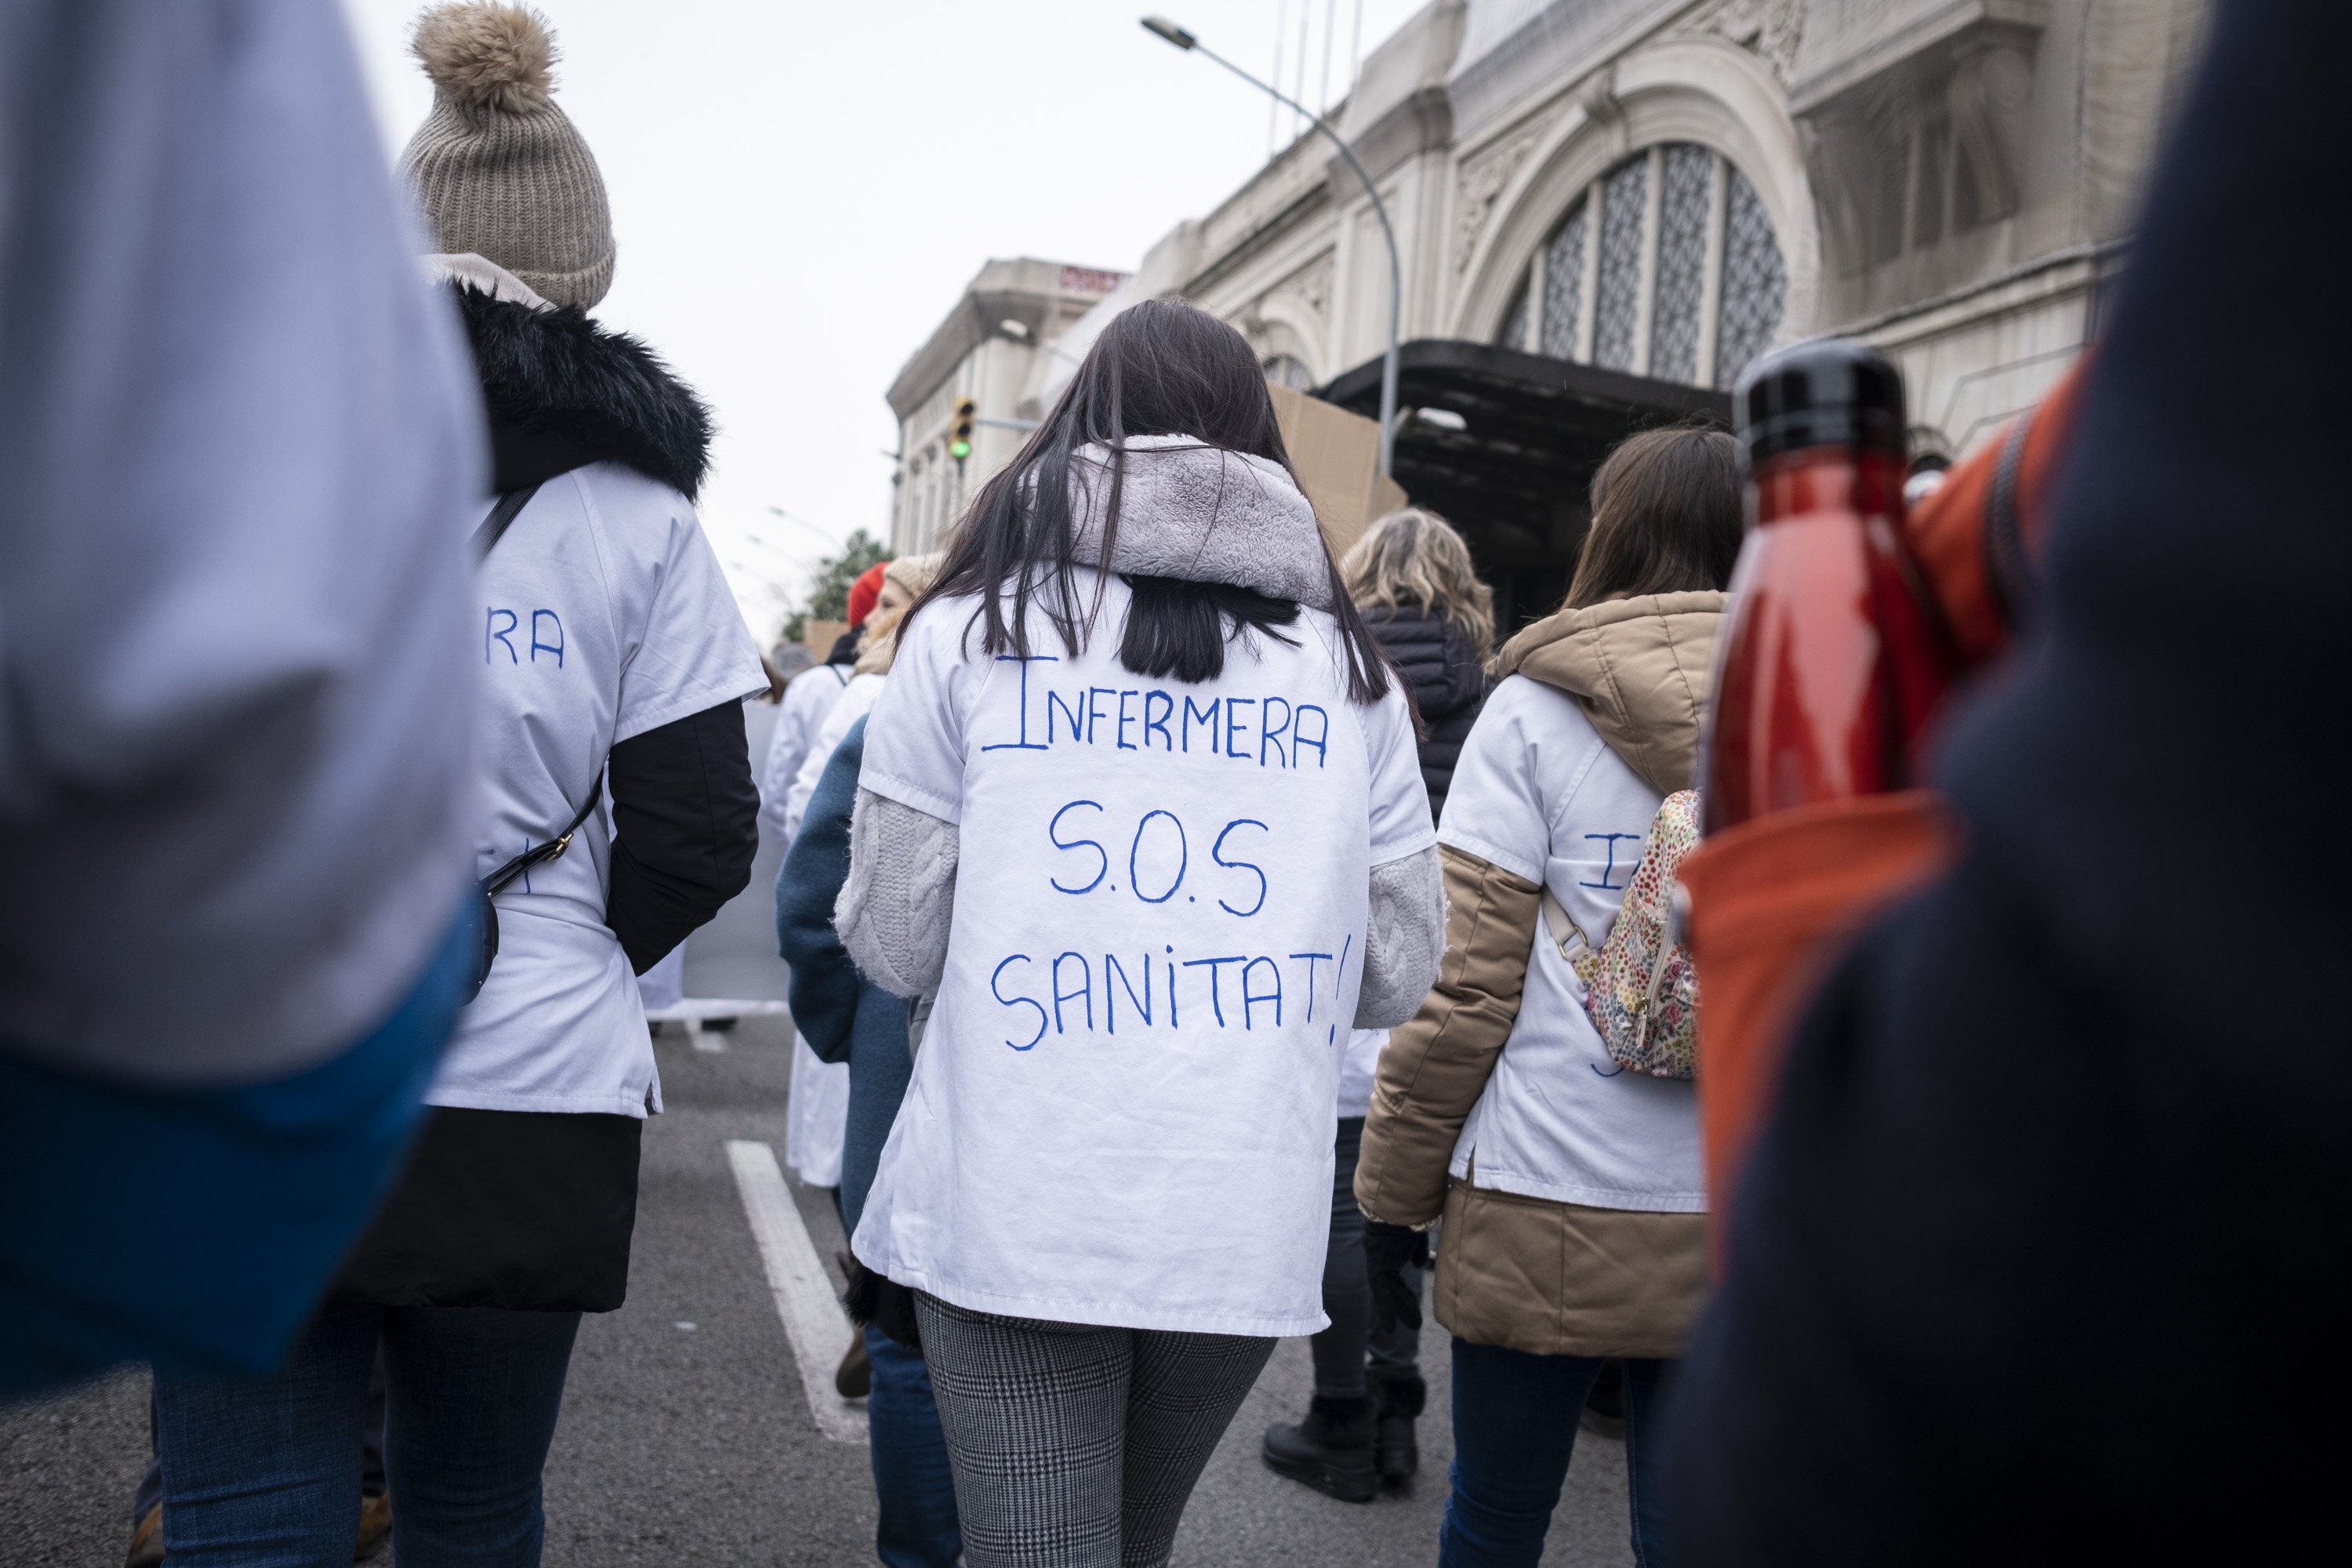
column 1667, row 187
column 995, row 347
column 1605, row 209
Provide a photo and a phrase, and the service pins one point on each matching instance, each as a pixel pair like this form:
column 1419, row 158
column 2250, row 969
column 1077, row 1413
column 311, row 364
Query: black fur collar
column 562, row 393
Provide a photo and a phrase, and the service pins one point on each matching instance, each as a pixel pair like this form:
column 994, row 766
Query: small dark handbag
column 521, row 1210
column 486, row 913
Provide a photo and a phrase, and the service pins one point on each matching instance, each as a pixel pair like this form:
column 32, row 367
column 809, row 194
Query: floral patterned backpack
column 1640, row 990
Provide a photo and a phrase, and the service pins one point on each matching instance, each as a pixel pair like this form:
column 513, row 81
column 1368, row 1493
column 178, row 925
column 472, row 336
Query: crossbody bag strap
column 2009, row 572
column 494, row 527
column 1566, row 935
column 496, row 881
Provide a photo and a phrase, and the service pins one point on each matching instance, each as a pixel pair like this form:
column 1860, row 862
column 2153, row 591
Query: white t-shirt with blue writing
column 603, row 613
column 1538, row 792
column 1123, row 1113
column 1359, row 1069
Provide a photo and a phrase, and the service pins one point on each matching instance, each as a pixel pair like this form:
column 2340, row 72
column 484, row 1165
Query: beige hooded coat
column 1528, row 1273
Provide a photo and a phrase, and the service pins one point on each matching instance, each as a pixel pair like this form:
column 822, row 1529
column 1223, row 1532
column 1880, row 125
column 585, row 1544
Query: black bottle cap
column 1831, row 392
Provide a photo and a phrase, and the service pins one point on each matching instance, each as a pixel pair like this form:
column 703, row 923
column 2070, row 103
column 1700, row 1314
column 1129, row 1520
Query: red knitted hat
column 862, row 594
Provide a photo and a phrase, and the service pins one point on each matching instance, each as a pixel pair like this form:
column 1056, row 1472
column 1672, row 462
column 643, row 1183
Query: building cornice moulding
column 1909, row 40
column 1590, row 60
column 1222, row 268
column 1423, row 123
column 1026, row 288
column 2046, row 277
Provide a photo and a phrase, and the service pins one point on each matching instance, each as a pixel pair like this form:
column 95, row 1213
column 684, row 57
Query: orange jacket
column 1773, row 900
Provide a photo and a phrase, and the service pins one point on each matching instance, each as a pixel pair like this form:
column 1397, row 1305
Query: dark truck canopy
column 1514, row 479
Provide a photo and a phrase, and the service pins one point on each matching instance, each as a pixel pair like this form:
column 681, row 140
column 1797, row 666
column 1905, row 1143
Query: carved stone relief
column 1311, row 284
column 1482, row 180
column 1770, row 30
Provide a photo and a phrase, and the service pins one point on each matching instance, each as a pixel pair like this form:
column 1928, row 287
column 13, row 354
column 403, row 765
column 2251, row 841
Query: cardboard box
column 819, row 636
column 1337, row 456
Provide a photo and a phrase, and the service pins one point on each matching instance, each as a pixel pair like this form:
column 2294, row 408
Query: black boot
column 1331, row 1450
column 1398, row 1398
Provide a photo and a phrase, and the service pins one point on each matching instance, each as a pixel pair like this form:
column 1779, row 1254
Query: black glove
column 883, row 1302
column 1386, row 1249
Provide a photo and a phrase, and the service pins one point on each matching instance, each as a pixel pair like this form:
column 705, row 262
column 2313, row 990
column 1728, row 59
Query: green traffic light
column 959, row 450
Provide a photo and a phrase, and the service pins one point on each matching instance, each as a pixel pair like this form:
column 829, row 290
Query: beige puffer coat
column 1526, row 1272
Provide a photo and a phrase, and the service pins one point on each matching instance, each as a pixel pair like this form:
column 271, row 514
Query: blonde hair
column 880, row 644
column 1414, row 558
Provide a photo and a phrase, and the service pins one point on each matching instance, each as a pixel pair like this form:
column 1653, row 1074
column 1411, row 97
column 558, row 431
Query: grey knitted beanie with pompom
column 498, row 168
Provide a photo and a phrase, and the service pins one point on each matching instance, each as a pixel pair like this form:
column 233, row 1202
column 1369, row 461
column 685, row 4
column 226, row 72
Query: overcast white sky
column 801, row 189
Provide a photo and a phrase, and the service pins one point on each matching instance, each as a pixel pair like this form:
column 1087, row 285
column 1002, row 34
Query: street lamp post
column 1161, row 27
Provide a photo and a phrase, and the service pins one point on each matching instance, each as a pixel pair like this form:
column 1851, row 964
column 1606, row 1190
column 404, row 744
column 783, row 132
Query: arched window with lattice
column 1290, row 371
column 1666, row 265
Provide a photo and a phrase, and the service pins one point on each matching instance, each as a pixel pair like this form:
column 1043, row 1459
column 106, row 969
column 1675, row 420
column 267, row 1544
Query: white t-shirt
column 1123, row 1113
column 816, row 1116
column 817, row 1107
column 603, row 615
column 1358, row 1071
column 1538, row 792
column 806, row 702
column 856, row 701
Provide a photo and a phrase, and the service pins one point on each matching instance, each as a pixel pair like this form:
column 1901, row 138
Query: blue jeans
column 912, row 1480
column 264, row 1473
column 150, row 1490
column 1514, row 1428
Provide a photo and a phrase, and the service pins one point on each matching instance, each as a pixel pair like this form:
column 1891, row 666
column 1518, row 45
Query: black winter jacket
column 562, row 393
column 534, row 1211
column 1447, row 680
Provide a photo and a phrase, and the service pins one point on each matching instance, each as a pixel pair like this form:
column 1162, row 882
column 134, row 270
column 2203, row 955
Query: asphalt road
column 688, row 1437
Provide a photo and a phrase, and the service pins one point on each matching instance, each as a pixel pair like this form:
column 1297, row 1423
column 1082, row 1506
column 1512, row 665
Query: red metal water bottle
column 1834, row 659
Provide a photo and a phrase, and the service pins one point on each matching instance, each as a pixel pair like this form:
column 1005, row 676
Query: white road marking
column 803, row 1292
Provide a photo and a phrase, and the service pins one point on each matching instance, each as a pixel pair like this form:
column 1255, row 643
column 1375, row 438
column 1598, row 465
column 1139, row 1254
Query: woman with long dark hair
column 1140, row 808
column 1575, row 1223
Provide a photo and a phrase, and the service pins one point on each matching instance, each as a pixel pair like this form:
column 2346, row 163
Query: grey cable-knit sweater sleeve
column 893, row 912
column 1404, row 940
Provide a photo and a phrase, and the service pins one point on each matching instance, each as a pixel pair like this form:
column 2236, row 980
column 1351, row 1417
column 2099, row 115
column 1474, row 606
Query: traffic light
column 967, row 413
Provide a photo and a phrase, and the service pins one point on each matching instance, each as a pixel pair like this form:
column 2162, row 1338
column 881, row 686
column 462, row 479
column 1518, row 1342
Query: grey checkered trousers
column 1076, row 1446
